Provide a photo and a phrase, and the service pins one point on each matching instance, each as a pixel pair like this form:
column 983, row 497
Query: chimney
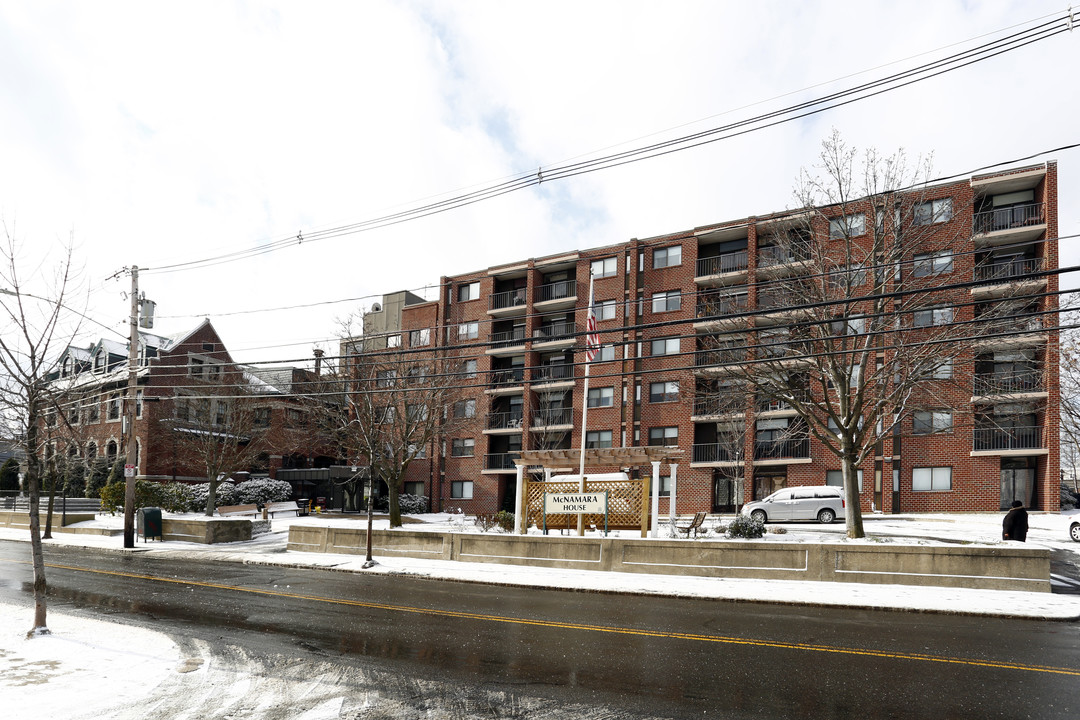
column 318, row 360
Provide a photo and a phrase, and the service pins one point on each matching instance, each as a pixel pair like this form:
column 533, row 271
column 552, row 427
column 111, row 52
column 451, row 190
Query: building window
column 468, row 331
column 606, row 354
column 665, row 486
column 462, row 447
column 419, row 338
column 468, row 368
column 925, row 422
column 180, row 408
column 386, row 414
column 111, row 450
column 195, row 367
column 393, row 341
column 598, row 439
column 221, row 413
column 931, row 479
column 604, row 310
column 667, row 301
column 667, row 391
column 601, row 397
column 665, row 346
column 847, row 226
column 941, row 371
column 93, row 410
column 114, row 406
column 73, row 412
column 465, row 409
column 469, row 291
column 933, row 316
column 461, row 490
column 91, row 451
column 385, row 378
column 262, row 417
column 413, row 488
column 667, row 257
column 606, row 267
column 661, row 436
column 935, row 263
column 138, row 403
column 932, row 211
column 836, row 478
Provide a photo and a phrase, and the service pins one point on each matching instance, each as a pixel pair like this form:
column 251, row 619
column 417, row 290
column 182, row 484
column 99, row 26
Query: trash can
column 302, row 506
column 149, row 523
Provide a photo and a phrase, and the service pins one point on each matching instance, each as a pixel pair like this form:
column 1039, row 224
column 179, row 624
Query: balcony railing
column 712, row 305
column 1006, row 383
column 510, row 298
column 717, row 452
column 1008, row 270
column 717, row 406
column 772, row 255
column 1014, row 438
column 719, row 356
column 500, row 461
column 506, row 376
column 553, row 373
column 785, row 449
column 508, row 338
column 1007, row 218
column 773, row 406
column 1010, row 325
column 720, row 264
column 562, row 290
column 773, row 300
column 554, row 331
column 553, row 416
column 505, row 420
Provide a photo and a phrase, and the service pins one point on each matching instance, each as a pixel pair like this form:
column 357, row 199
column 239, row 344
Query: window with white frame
column 468, row 291
column 667, row 257
column 465, row 409
column 931, row 479
column 665, row 486
column 933, row 316
column 468, row 368
column 114, row 406
column 93, row 409
column 601, row 397
column 461, row 489
column 221, row 412
column 419, row 338
column 661, row 436
column 393, row 341
column 462, row 447
column 138, row 403
column 605, row 267
column 604, row 310
column 385, row 378
column 932, row 212
column 847, row 226
column 598, row 439
column 606, row 354
column 667, row 301
column 926, row 422
column 665, row 391
column 665, row 346
column 941, row 371
column 935, row 263
column 836, row 478
column 468, row 331
column 195, row 367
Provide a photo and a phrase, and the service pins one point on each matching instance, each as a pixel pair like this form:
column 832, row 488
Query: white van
column 823, row 503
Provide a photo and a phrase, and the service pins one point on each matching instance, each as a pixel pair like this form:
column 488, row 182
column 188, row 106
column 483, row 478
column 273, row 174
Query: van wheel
column 759, row 515
column 1074, row 532
column 826, row 516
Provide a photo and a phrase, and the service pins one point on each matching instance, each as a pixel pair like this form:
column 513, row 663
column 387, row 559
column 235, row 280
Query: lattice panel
column 627, row 504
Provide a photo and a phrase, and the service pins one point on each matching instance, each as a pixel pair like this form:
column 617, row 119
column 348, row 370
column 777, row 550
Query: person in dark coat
column 1015, row 524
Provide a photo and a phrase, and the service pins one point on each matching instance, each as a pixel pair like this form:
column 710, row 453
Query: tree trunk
column 853, row 511
column 33, row 470
column 211, row 497
column 395, row 506
column 52, row 499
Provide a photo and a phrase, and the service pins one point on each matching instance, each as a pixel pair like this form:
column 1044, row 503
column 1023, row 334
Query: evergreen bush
column 745, row 527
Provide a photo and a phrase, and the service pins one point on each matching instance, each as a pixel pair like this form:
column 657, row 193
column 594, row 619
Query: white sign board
column 129, row 471
column 593, row 503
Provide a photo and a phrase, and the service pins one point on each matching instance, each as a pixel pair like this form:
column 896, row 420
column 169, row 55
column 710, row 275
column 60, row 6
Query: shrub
column 408, row 504
column 227, row 494
column 485, row 521
column 745, row 527
column 777, row 530
column 147, row 494
column 262, row 491
column 505, row 520
column 177, row 497
column 9, row 477
column 98, row 477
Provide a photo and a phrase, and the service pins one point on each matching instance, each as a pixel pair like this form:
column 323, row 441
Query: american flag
column 592, row 337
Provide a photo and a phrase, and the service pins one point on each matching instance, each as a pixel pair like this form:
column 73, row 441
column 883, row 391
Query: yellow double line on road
column 805, row 647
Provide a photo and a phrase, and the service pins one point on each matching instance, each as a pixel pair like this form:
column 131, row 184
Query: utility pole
column 130, row 459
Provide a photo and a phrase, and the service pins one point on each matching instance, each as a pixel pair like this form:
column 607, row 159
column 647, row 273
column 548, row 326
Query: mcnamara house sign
column 591, row 503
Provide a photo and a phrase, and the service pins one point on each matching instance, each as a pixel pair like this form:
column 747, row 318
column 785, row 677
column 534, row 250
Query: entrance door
column 1017, row 482
column 509, row 495
column 725, row 499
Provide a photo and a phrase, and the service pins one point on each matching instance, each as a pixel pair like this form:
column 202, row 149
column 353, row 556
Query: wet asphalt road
column 481, row 651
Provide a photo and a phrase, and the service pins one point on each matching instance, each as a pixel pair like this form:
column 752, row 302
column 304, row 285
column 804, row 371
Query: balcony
column 559, row 334
column 508, row 342
column 556, row 294
column 726, row 269
column 1002, row 226
column 781, row 451
column 719, row 361
column 504, row 421
column 553, row 418
column 999, row 333
column 500, row 462
column 553, row 374
column 1009, row 385
column 1023, row 440
column 506, row 381
column 1009, row 277
column 715, row 310
column 774, row 408
column 716, row 454
column 715, row 406
column 509, row 303
column 777, row 261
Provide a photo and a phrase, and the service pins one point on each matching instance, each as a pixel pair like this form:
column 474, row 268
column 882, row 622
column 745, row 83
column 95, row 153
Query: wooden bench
column 276, row 507
column 227, row 510
column 695, row 525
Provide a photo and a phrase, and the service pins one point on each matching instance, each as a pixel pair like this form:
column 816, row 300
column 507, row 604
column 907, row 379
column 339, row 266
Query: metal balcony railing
column 553, row 373
column 500, row 461
column 721, row 405
column 772, row 406
column 786, row 449
column 506, row 376
column 508, row 338
column 554, row 331
column 719, row 356
column 1009, row 325
column 1007, row 270
column 553, row 416
column 720, row 264
column 1005, row 383
column 717, row 452
column 1010, row 217
column 562, row 290
column 505, row 420
column 712, row 305
column 1014, row 438
column 510, row 298
column 772, row 300
column 772, row 255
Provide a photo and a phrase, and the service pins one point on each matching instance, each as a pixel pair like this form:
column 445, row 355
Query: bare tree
column 37, row 327
column 854, row 313
column 1070, row 395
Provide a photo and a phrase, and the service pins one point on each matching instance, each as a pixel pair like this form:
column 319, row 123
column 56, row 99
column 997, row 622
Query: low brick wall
column 984, row 567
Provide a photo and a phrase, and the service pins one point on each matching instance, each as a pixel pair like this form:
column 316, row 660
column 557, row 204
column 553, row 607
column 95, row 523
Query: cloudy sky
column 157, row 133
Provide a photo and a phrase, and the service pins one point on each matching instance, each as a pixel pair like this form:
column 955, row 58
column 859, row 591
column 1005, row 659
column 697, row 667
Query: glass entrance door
column 1017, row 482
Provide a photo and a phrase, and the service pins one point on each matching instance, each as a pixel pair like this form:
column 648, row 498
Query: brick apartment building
column 677, row 314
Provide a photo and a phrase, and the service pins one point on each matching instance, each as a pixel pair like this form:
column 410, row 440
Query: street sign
column 592, row 503
column 129, row 471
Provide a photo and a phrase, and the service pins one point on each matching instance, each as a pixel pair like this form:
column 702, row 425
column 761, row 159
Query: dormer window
column 99, row 361
column 66, row 370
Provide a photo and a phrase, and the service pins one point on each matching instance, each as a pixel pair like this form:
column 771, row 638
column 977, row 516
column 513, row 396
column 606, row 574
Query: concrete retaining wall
column 995, row 568
column 21, row 518
column 208, row 531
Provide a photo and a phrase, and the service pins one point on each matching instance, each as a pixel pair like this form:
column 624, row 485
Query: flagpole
column 589, row 328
